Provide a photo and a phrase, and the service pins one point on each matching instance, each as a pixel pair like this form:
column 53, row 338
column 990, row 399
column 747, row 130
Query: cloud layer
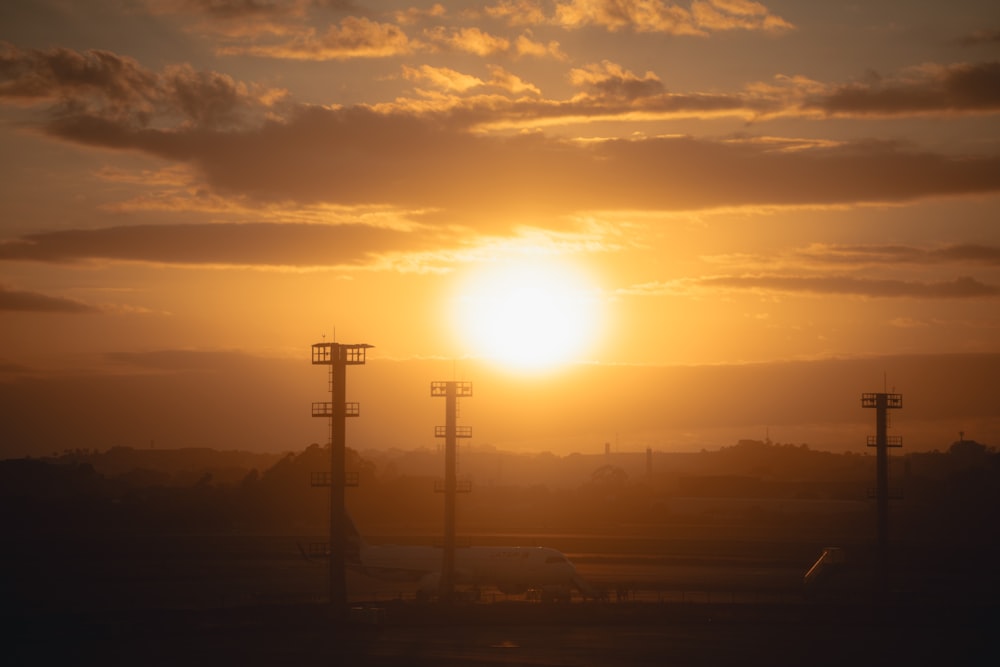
column 33, row 302
column 275, row 245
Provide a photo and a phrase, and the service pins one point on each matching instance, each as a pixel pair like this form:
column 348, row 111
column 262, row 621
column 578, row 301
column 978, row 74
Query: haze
column 758, row 210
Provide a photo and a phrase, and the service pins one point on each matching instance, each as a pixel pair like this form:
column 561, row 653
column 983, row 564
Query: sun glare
column 528, row 316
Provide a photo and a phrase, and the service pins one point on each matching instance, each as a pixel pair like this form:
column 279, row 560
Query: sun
column 528, row 315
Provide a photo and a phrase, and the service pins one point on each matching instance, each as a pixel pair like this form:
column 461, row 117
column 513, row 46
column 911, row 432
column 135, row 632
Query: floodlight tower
column 882, row 402
column 338, row 357
column 451, row 391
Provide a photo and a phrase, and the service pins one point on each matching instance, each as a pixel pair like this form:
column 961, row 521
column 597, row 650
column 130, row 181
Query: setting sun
column 528, row 316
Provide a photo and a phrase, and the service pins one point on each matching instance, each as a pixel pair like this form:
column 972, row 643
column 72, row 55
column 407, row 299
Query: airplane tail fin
column 355, row 544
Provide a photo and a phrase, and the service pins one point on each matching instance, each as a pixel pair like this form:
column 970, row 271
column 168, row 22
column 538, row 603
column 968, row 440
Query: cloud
column 612, row 92
column 501, row 78
column 13, row 368
column 737, row 15
column 466, row 40
column 860, row 255
column 114, row 88
column 960, row 288
column 240, row 9
column 700, row 19
column 64, row 75
column 354, row 37
column 518, row 12
column 609, row 92
column 356, row 155
column 526, row 46
column 447, row 79
column 418, row 14
column 424, row 154
column 443, row 78
column 820, row 256
column 33, row 302
column 301, row 30
column 984, row 36
column 931, row 89
column 250, row 19
column 180, row 360
column 291, row 29
column 250, row 244
column 609, row 80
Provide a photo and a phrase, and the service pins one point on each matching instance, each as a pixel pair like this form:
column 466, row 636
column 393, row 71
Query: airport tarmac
column 244, row 600
column 517, row 633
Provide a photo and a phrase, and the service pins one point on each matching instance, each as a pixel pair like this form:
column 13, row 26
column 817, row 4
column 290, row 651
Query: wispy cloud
column 609, row 91
column 984, row 36
column 466, row 40
column 861, row 256
column 353, row 37
column 247, row 245
column 698, row 18
column 959, row 288
column 316, row 30
column 180, row 360
column 34, row 302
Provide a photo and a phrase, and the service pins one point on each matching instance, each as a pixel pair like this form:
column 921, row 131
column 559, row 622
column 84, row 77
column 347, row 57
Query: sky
column 616, row 209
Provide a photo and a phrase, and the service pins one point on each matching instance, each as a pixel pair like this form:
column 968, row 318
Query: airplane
column 511, row 570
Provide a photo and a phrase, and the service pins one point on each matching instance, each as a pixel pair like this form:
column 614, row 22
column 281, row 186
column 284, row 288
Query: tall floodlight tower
column 338, row 357
column 882, row 441
column 451, row 391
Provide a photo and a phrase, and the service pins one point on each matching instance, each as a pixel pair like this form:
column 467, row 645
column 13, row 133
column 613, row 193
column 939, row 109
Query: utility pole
column 338, row 357
column 882, row 403
column 451, row 391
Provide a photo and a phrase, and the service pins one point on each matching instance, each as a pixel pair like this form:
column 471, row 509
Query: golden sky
column 535, row 185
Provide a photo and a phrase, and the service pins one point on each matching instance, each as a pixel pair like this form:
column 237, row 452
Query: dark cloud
column 260, row 244
column 358, row 156
column 958, row 88
column 180, row 360
column 893, row 254
column 984, row 36
column 237, row 9
column 33, row 302
column 101, row 85
column 232, row 9
column 290, row 29
column 12, row 368
column 960, row 288
column 69, row 77
column 969, row 253
column 610, row 81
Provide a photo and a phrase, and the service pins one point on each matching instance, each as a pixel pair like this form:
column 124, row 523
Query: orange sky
column 693, row 187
